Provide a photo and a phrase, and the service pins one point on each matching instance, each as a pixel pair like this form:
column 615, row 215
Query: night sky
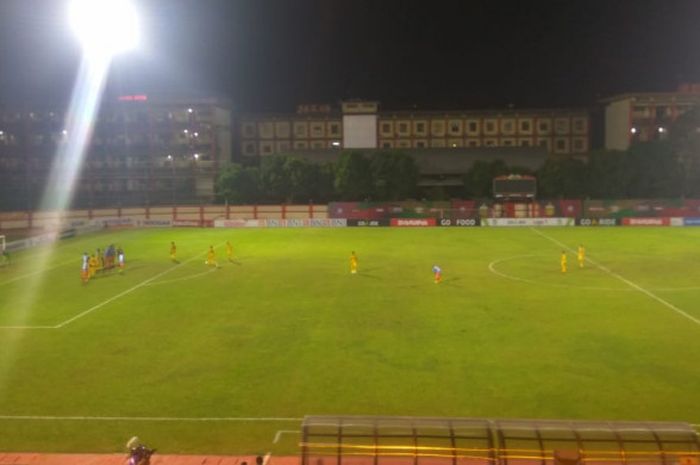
column 269, row 55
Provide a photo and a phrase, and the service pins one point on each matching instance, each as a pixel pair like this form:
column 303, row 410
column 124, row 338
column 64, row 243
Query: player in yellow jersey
column 173, row 252
column 92, row 266
column 581, row 255
column 563, row 261
column 229, row 251
column 353, row 262
column 211, row 257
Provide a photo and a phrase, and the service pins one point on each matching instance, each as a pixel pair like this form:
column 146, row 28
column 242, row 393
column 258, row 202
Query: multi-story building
column 643, row 117
column 313, row 127
column 362, row 125
column 144, row 150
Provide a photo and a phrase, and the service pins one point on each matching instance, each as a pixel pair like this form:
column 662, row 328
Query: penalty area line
column 123, row 293
column 623, row 279
column 151, row 419
column 111, row 299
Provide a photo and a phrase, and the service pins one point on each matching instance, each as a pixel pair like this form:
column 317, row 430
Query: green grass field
column 287, row 331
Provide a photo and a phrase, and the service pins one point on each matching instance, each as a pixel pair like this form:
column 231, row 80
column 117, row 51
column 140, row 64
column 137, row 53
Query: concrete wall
column 617, row 125
column 205, row 214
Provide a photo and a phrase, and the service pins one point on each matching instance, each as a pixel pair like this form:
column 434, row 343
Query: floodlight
column 633, row 130
column 196, row 156
column 105, row 27
column 170, row 157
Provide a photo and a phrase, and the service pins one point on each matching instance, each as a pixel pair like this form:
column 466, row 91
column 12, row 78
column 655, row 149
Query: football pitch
column 226, row 360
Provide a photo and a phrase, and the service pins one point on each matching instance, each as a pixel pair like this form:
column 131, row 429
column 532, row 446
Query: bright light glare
column 105, row 27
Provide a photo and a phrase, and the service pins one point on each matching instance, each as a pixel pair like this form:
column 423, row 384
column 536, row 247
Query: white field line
column 184, row 278
column 279, row 434
column 623, row 279
column 43, row 270
column 111, row 299
column 122, row 294
column 151, row 419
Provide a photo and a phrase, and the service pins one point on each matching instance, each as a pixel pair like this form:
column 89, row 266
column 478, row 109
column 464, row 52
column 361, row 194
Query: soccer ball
column 205, row 262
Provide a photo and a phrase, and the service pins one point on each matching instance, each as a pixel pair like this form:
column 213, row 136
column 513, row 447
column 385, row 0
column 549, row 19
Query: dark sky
column 269, row 55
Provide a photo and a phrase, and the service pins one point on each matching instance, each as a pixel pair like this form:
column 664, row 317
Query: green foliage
column 395, row 176
column 478, row 182
column 353, row 177
column 238, row 184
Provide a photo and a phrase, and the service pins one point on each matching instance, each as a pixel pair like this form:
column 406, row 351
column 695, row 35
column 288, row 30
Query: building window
column 490, row 142
column 455, row 127
column 334, row 129
column 473, row 127
column 386, row 128
column 473, row 143
column 283, row 146
column 579, row 125
column 544, row 127
column 508, row 126
column 403, row 128
column 421, row 144
column 524, row 142
column 249, row 148
column 248, row 130
column 490, row 126
column 282, row 130
column 579, row 144
column 403, row 144
column 561, row 126
column 317, row 129
column 301, row 130
column 266, row 130
column 507, row 142
column 420, row 128
column 525, row 126
column 266, row 148
column 317, row 144
column 561, row 145
column 301, row 145
column 387, row 144
column 437, row 128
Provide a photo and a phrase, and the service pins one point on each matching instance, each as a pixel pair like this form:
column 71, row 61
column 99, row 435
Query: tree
column 478, row 182
column 275, row 183
column 238, row 184
column 395, row 176
column 353, row 177
column 684, row 137
column 562, row 178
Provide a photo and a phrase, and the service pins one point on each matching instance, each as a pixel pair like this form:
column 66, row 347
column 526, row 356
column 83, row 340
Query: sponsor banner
column 66, row 234
column 676, row 221
column 186, row 223
column 236, row 223
column 304, row 223
column 123, row 222
column 368, row 223
column 412, row 222
column 515, row 222
column 693, row 221
column 596, row 221
column 154, row 223
column 646, row 221
column 460, row 222
column 279, row 223
column 643, row 208
column 32, row 242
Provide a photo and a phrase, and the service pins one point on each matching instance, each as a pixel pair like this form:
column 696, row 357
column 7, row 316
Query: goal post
column 2, row 244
